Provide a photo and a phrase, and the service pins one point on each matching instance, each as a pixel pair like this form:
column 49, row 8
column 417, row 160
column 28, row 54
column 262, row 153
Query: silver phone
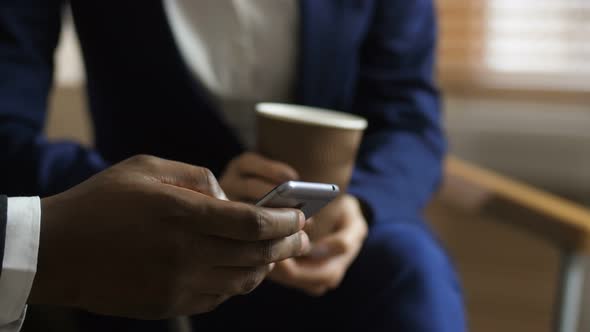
column 309, row 197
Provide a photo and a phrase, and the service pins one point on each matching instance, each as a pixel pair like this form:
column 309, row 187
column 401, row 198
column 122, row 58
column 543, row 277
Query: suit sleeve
column 29, row 163
column 399, row 162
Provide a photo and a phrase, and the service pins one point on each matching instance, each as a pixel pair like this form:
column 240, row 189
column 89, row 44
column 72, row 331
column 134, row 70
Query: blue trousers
column 402, row 281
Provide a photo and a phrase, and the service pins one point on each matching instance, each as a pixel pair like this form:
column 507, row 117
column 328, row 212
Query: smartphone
column 309, row 197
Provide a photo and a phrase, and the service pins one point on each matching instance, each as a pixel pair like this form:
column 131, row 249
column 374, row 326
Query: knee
column 408, row 279
column 407, row 254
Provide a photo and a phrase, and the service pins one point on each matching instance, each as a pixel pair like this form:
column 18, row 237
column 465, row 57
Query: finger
column 311, row 275
column 250, row 223
column 311, row 289
column 316, row 291
column 180, row 175
column 246, row 254
column 234, row 280
column 347, row 239
column 274, row 171
column 333, row 245
column 251, row 189
column 234, row 220
column 321, row 251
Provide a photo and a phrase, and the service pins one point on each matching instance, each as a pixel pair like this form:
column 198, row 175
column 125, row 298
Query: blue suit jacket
column 369, row 57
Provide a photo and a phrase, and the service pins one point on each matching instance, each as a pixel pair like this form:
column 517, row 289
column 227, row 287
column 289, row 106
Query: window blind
column 519, row 44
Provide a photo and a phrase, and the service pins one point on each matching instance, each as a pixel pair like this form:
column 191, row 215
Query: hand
column 325, row 266
column 151, row 239
column 250, row 176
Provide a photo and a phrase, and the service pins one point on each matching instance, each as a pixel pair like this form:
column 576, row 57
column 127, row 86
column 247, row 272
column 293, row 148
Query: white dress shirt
column 20, row 260
column 242, row 51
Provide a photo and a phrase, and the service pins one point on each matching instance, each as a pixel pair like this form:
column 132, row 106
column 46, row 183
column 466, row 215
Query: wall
column 544, row 143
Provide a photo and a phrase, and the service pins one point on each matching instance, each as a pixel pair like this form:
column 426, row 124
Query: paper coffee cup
column 320, row 144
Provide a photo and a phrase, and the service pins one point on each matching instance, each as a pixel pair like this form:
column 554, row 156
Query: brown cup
column 320, row 144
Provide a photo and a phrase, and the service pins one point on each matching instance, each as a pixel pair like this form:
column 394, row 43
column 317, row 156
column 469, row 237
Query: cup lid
column 311, row 115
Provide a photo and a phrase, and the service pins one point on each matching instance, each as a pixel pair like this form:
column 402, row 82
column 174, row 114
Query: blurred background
column 516, row 81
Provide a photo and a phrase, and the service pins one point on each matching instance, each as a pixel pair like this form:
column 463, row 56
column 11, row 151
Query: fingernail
column 305, row 244
column 291, row 175
column 302, row 221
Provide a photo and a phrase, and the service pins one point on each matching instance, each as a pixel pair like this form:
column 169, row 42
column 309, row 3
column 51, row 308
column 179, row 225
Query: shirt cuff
column 20, row 259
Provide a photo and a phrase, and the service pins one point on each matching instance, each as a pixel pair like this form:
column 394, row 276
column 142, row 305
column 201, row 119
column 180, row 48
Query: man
column 178, row 79
column 136, row 241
